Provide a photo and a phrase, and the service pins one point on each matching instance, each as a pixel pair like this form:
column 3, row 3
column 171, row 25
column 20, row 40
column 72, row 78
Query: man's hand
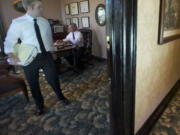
column 68, row 42
column 14, row 60
column 59, row 42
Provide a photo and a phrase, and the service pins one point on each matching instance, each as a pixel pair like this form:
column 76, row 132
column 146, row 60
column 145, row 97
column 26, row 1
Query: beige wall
column 158, row 67
column 99, row 33
column 7, row 12
column 51, row 11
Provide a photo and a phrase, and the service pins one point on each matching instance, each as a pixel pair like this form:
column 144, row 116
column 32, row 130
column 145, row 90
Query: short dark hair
column 73, row 25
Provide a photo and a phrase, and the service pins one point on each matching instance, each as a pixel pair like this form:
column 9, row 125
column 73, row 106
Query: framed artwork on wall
column 84, row 6
column 18, row 6
column 85, row 22
column 74, row 8
column 68, row 21
column 67, row 12
column 169, row 21
column 75, row 20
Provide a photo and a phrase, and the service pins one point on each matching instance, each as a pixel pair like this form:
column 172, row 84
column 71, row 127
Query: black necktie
column 73, row 36
column 38, row 35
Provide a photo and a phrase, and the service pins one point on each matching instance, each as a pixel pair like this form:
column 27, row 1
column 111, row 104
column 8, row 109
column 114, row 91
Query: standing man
column 32, row 29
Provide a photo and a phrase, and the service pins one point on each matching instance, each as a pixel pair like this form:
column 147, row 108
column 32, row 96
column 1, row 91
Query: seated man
column 75, row 38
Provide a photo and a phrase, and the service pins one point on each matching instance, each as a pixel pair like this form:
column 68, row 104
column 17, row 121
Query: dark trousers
column 45, row 62
column 75, row 59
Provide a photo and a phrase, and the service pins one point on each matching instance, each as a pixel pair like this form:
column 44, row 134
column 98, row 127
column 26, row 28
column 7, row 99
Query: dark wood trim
column 2, row 38
column 161, row 21
column 171, row 38
column 121, row 31
column 149, row 124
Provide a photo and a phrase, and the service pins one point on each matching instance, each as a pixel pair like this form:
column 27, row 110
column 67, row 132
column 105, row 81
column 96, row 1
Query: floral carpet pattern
column 169, row 122
column 87, row 114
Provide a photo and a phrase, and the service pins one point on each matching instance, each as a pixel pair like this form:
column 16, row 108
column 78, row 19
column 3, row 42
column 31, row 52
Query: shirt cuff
column 65, row 40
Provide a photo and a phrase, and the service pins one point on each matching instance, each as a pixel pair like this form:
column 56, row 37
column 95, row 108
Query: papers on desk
column 67, row 45
column 59, row 46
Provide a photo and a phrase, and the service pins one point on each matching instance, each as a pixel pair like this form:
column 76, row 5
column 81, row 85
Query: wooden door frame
column 2, row 37
column 121, row 30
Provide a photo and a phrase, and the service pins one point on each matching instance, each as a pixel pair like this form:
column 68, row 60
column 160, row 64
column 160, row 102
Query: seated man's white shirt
column 23, row 28
column 78, row 38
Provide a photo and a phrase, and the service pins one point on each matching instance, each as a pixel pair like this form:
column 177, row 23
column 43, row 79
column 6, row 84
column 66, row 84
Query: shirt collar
column 75, row 31
column 30, row 17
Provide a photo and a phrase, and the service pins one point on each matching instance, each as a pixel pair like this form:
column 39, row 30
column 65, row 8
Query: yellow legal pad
column 25, row 53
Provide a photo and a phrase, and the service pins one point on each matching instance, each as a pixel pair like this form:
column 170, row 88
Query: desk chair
column 11, row 84
column 5, row 65
column 87, row 48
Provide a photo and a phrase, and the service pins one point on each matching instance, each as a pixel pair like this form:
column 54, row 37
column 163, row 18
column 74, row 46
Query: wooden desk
column 64, row 52
column 5, row 65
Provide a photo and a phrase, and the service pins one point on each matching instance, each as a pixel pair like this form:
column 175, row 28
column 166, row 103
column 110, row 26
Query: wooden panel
column 121, row 29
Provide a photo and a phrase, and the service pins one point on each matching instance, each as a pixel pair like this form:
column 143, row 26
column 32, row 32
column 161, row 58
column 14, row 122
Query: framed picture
column 75, row 20
column 68, row 21
column 67, row 12
column 169, row 22
column 74, row 8
column 18, row 6
column 84, row 6
column 85, row 22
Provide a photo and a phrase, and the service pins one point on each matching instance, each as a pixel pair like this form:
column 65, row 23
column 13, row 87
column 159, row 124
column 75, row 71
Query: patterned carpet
column 86, row 115
column 169, row 123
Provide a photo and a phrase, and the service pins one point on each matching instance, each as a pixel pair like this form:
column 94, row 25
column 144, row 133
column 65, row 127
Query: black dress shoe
column 65, row 102
column 39, row 112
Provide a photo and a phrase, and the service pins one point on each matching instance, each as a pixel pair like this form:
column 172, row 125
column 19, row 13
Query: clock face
column 18, row 6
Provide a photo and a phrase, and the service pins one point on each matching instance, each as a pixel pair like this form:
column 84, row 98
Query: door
column 121, row 18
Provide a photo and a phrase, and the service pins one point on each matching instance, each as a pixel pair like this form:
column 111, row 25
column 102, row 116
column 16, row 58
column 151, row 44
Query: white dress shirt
column 23, row 28
column 78, row 38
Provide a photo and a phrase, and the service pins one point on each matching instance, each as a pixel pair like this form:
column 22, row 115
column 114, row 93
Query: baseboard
column 99, row 58
column 149, row 124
